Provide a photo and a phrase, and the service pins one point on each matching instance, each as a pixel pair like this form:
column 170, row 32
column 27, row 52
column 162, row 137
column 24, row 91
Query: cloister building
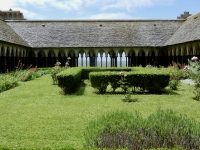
column 139, row 42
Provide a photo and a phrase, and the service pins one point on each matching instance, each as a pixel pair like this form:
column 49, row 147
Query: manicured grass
column 36, row 115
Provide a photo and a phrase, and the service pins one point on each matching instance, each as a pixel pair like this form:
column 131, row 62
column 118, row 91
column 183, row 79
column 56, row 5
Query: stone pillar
column 36, row 61
column 116, row 61
column 106, row 62
column 120, row 61
column 95, row 61
column 126, row 61
column 46, row 61
column 101, row 61
column 146, row 57
column 9, row 63
column 136, row 60
column 86, row 59
column 81, row 60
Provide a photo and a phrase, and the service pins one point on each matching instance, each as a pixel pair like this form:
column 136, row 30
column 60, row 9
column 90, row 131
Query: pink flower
column 194, row 58
column 186, row 68
column 121, row 73
column 68, row 58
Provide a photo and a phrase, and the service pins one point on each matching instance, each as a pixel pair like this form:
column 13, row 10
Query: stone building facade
column 137, row 42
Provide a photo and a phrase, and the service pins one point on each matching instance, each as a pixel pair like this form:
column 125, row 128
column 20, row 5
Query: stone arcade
column 42, row 42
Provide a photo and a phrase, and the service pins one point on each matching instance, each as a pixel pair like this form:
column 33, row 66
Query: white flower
column 194, row 58
column 125, row 75
column 186, row 68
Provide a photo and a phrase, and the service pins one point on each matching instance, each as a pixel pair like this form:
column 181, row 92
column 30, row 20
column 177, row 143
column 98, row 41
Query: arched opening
column 50, row 59
column 41, row 60
column 3, row 60
column 31, row 59
column 162, row 59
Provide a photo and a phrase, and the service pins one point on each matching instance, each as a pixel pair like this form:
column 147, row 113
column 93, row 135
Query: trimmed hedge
column 100, row 78
column 86, row 71
column 146, row 79
column 68, row 79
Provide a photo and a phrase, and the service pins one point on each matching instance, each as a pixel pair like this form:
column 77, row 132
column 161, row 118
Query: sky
column 101, row 9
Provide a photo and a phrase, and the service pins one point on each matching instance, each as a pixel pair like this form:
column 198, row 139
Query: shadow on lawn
column 80, row 90
column 162, row 92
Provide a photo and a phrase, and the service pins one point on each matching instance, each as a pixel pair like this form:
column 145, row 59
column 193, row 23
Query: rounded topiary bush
column 163, row 129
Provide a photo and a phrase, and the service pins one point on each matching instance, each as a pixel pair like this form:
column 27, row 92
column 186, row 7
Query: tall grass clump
column 7, row 82
column 163, row 129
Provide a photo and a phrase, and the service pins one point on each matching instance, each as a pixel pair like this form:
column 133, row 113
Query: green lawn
column 36, row 115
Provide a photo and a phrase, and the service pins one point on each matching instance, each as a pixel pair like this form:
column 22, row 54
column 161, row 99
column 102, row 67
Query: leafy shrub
column 163, row 129
column 146, row 79
column 194, row 74
column 68, row 79
column 7, row 82
column 99, row 81
column 86, row 71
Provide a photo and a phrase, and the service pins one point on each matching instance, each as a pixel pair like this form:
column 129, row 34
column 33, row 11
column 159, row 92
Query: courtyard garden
column 95, row 113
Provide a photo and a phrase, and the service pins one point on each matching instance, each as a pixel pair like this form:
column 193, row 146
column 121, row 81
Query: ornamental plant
column 194, row 74
column 125, row 85
column 57, row 68
column 174, row 81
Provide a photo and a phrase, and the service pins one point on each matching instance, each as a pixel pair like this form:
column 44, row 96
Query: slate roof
column 95, row 33
column 189, row 31
column 7, row 34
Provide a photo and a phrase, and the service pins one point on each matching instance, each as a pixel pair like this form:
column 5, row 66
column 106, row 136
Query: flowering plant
column 194, row 74
column 56, row 69
column 125, row 85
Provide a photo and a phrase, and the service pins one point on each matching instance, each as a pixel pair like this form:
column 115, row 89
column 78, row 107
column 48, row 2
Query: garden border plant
column 162, row 129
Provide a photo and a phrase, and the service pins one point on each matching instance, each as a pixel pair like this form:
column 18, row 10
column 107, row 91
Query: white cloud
column 69, row 5
column 81, row 6
column 29, row 15
column 108, row 16
column 7, row 5
column 131, row 4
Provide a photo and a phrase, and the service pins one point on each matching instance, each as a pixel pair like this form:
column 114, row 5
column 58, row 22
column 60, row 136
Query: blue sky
column 101, row 9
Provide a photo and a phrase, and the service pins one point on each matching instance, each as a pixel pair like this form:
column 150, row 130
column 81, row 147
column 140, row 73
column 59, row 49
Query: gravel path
column 188, row 81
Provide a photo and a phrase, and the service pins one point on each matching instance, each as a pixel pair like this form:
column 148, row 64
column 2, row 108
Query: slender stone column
column 136, row 60
column 116, row 61
column 81, row 60
column 76, row 61
column 126, row 61
column 9, row 63
column 146, row 57
column 36, row 61
column 95, row 61
column 101, row 61
column 46, row 62
column 86, row 59
column 120, row 61
column 106, row 62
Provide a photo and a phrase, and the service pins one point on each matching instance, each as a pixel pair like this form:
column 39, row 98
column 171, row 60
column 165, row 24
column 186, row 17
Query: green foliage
column 86, row 71
column 174, row 81
column 68, row 79
column 194, row 74
column 146, row 79
column 163, row 129
column 7, row 82
column 99, row 80
column 36, row 116
column 55, row 70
